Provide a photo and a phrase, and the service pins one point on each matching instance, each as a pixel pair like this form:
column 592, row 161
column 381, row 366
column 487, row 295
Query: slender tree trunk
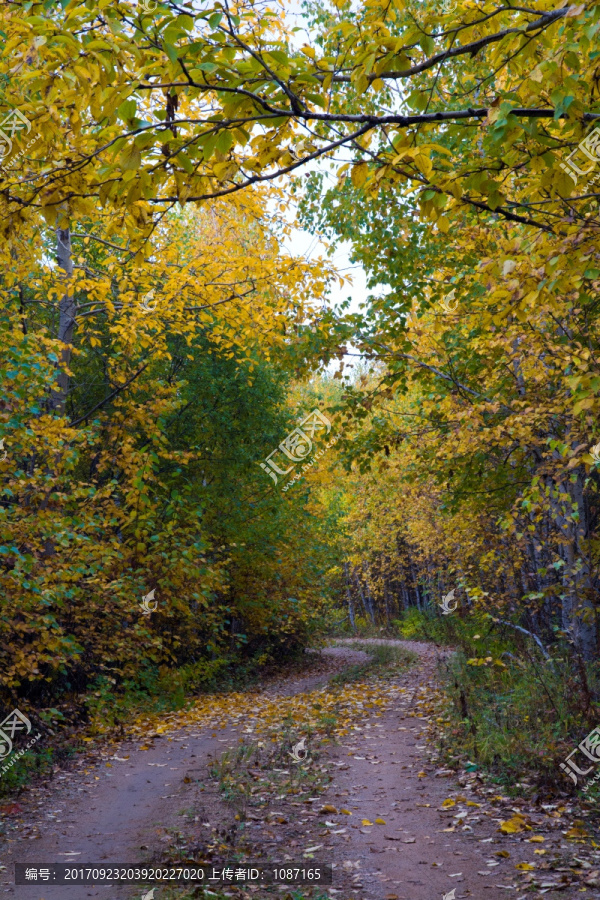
column 362, row 596
column 578, row 612
column 386, row 600
column 416, row 586
column 66, row 321
column 369, row 595
column 350, row 597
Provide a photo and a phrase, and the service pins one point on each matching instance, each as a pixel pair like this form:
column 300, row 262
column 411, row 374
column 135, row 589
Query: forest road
column 414, row 831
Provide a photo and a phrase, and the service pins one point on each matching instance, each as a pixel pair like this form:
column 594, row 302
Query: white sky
column 302, row 243
column 305, row 244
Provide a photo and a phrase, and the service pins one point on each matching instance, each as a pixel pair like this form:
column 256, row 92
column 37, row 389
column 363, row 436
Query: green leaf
column 224, row 142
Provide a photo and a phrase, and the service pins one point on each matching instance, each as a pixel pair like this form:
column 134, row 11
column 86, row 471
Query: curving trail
column 119, row 810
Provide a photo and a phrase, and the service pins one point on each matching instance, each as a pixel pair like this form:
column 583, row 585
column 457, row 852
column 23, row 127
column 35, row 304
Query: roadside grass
column 509, row 710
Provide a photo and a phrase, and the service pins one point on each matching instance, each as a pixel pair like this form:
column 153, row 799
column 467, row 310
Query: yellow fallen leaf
column 514, row 825
column 346, row 812
column 539, row 852
column 328, row 808
column 503, row 853
column 526, row 867
column 366, row 822
column 448, row 803
column 536, row 839
column 576, row 832
column 380, row 821
column 421, row 774
column 471, row 803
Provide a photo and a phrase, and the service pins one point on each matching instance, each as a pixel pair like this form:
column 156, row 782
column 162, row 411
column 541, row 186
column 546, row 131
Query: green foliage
column 142, row 477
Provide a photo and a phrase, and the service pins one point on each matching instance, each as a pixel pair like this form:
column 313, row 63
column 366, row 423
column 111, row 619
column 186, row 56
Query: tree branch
column 110, row 397
column 524, row 631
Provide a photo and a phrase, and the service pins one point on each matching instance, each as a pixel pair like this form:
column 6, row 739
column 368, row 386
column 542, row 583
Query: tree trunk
column 578, row 612
column 349, row 596
column 66, row 322
column 369, row 595
column 362, row 596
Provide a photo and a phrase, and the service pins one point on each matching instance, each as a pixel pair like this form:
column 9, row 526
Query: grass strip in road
column 272, row 797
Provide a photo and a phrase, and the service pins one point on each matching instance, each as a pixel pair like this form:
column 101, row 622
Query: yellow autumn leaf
column 366, row 822
column 514, row 825
column 448, row 803
column 359, row 174
column 380, row 821
column 525, row 867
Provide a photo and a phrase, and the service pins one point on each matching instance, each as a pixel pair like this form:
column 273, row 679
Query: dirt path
column 116, row 809
column 434, row 834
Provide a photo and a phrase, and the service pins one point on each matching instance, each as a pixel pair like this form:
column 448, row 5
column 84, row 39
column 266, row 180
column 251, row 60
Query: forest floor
column 215, row 783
